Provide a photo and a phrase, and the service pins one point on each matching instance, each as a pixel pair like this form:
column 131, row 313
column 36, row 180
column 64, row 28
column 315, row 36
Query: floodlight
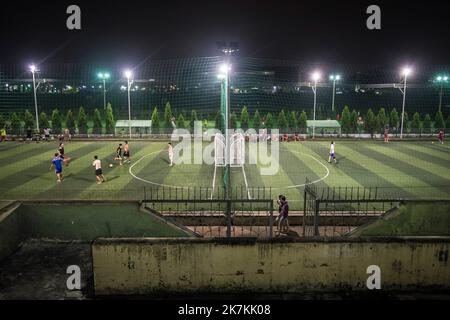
column 316, row 76
column 128, row 74
column 406, row 71
column 225, row 68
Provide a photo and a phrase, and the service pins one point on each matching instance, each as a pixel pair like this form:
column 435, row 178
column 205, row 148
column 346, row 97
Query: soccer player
column 62, row 155
column 126, row 153
column 98, row 170
column 3, row 135
column 170, row 151
column 332, row 155
column 47, row 134
column 441, row 136
column 119, row 154
column 57, row 164
column 386, row 135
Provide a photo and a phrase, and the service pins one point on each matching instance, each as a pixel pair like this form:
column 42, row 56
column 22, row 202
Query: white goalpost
column 219, row 157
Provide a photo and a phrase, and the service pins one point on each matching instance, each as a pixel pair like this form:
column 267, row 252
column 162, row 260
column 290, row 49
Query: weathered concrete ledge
column 146, row 266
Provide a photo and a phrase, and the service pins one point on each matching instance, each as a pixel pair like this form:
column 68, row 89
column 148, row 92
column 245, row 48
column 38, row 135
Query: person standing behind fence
column 280, row 205
column 283, row 223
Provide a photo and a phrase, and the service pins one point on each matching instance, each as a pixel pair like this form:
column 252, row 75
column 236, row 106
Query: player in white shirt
column 332, row 154
column 98, row 170
column 170, row 151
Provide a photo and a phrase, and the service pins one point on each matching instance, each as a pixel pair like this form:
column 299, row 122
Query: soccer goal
column 237, row 150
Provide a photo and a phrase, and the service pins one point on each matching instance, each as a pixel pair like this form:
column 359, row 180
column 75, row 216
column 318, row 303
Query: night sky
column 129, row 32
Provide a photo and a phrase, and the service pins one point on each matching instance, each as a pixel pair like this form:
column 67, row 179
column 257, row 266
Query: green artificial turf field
column 415, row 169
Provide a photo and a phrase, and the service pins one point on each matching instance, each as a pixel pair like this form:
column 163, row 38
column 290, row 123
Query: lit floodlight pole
column 33, row 70
column 441, row 80
column 128, row 75
column 315, row 77
column 225, row 76
column 406, row 71
column 334, row 78
column 103, row 77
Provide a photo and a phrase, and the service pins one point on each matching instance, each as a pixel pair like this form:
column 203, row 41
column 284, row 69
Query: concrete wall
column 131, row 266
column 12, row 233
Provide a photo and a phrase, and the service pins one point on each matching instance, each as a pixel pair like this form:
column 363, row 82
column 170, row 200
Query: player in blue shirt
column 57, row 163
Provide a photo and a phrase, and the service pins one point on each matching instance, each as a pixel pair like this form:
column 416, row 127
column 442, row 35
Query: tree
column 292, row 120
column 168, row 114
column 427, row 123
column 302, row 122
column 219, row 121
column 393, row 119
column 70, row 121
column 415, row 123
column 282, row 121
column 405, row 120
column 382, row 118
column 233, row 121
column 28, row 119
column 354, row 121
column 256, row 120
column 109, row 119
column 2, row 121
column 269, row 121
column 439, row 121
column 56, row 122
column 346, row 121
column 181, row 121
column 15, row 123
column 245, row 118
column 193, row 118
column 155, row 120
column 97, row 122
column 447, row 124
column 370, row 122
column 43, row 121
column 82, row 121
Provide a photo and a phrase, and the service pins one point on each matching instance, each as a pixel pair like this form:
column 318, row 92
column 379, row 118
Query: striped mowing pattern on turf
column 406, row 169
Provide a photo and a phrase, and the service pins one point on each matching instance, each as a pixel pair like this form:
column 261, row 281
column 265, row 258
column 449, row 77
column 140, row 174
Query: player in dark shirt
column 62, row 154
column 119, row 154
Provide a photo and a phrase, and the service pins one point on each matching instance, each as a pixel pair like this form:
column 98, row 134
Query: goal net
column 237, row 150
column 219, row 150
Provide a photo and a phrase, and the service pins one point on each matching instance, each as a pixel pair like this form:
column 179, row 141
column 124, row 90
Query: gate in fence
column 336, row 211
column 236, row 216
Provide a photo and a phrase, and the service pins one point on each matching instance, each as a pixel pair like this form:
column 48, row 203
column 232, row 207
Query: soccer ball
column 110, row 165
column 432, row 142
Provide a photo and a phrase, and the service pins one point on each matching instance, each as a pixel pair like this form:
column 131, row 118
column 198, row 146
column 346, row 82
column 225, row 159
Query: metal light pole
column 225, row 76
column 406, row 72
column 316, row 77
column 103, row 77
column 334, row 78
column 129, row 74
column 33, row 70
column 441, row 80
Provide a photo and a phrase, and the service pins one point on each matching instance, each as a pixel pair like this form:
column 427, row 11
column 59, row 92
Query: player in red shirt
column 441, row 136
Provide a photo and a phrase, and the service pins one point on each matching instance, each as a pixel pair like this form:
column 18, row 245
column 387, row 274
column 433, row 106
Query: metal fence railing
column 337, row 211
